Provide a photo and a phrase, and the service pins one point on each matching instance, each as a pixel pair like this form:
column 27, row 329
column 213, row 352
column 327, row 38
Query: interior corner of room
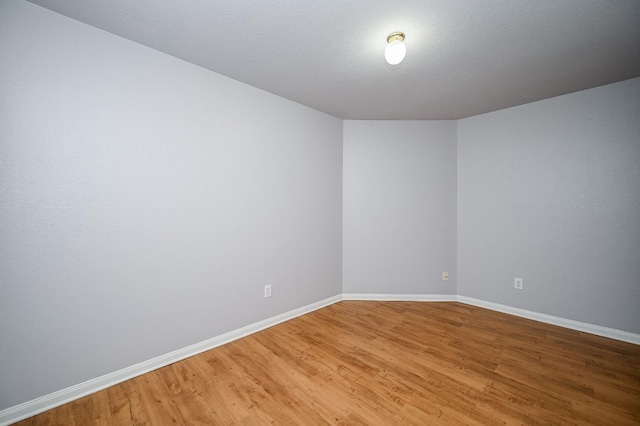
column 146, row 203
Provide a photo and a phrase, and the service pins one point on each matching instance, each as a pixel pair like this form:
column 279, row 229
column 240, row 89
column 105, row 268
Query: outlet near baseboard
column 518, row 283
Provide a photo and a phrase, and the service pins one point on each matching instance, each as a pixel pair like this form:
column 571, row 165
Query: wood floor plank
column 376, row 363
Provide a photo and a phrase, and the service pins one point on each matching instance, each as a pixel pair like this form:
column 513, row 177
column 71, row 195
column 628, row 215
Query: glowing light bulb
column 395, row 51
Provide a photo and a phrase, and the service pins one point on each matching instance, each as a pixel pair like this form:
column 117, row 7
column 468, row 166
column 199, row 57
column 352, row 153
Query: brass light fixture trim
column 398, row 35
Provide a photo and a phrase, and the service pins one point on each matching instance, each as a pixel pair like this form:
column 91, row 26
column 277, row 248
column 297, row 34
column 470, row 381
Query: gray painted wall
column 399, row 207
column 550, row 192
column 144, row 203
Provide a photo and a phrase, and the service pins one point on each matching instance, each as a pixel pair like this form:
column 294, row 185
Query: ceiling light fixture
column 395, row 51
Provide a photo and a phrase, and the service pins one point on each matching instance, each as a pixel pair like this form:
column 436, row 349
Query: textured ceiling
column 464, row 57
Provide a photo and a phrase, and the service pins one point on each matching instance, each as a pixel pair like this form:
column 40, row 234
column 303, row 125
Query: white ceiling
column 464, row 57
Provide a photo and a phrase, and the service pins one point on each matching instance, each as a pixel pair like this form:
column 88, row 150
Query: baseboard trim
column 55, row 399
column 401, row 297
column 598, row 330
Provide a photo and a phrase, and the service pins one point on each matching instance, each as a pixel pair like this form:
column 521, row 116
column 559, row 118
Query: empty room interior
column 251, row 212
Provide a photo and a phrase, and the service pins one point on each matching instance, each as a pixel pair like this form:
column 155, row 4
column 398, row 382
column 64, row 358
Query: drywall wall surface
column 145, row 202
column 399, row 207
column 550, row 192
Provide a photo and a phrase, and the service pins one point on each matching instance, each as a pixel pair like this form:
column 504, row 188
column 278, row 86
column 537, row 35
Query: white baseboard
column 401, row 297
column 598, row 330
column 55, row 399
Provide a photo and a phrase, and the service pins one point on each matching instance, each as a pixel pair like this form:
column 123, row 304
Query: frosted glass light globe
column 395, row 52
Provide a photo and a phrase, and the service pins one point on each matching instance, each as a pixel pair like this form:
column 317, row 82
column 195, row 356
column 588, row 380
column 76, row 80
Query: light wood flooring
column 384, row 363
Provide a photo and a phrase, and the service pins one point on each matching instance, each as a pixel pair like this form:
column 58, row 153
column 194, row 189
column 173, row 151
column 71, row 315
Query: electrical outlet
column 267, row 291
column 518, row 283
column 445, row 276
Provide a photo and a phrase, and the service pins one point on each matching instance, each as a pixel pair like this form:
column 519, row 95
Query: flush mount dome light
column 395, row 51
